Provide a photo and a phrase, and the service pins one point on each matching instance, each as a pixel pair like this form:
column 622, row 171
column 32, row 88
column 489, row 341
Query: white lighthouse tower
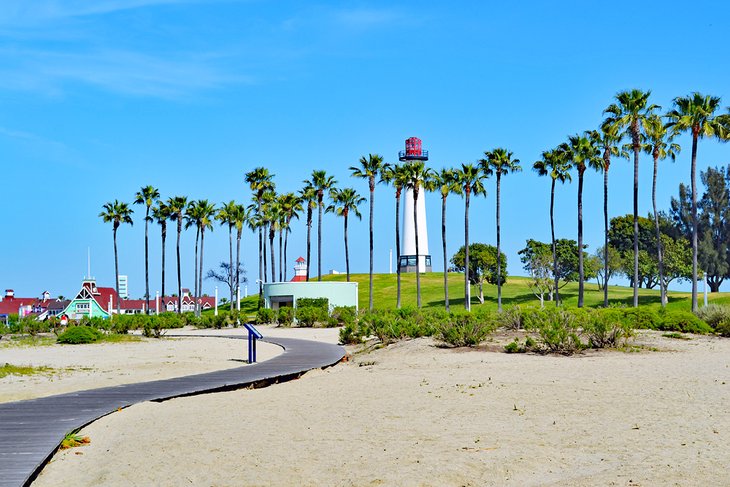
column 409, row 261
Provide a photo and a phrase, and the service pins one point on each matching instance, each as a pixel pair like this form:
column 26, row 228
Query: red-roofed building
column 42, row 307
column 300, row 270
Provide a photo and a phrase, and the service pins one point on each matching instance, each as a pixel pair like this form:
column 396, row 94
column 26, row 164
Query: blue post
column 253, row 335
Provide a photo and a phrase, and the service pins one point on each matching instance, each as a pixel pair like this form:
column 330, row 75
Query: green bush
column 514, row 347
column 466, row 329
column 607, row 328
column 286, row 316
column 714, row 314
column 351, row 334
column 321, row 303
column 685, row 322
column 642, row 318
column 343, row 315
column 79, row 334
column 557, row 329
column 511, row 318
column 309, row 316
column 265, row 316
column 723, row 328
column 32, row 326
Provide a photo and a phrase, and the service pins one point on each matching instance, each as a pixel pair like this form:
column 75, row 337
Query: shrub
column 351, row 334
column 32, row 326
column 514, row 347
column 642, row 318
column 723, row 328
column 285, row 316
column 685, row 322
column 607, row 328
column 322, row 303
column 343, row 315
column 511, row 318
column 465, row 330
column 79, row 334
column 714, row 314
column 557, row 330
column 308, row 316
column 265, row 316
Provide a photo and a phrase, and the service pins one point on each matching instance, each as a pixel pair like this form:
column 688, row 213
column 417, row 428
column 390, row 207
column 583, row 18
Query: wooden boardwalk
column 32, row 430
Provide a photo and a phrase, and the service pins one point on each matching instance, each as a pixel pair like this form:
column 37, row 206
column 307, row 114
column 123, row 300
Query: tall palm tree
column 161, row 213
column 369, row 169
column 271, row 217
column 207, row 212
column 147, row 196
column 177, row 205
column 659, row 145
column 116, row 213
column 445, row 183
column 344, row 201
column 554, row 163
column 607, row 140
column 290, row 205
column 630, row 113
column 192, row 220
column 696, row 114
column 396, row 175
column 240, row 217
column 308, row 195
column 321, row 182
column 418, row 175
column 225, row 216
column 583, row 153
column 471, row 180
column 259, row 181
column 500, row 163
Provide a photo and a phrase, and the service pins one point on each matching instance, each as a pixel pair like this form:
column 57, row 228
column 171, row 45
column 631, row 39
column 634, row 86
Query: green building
column 280, row 294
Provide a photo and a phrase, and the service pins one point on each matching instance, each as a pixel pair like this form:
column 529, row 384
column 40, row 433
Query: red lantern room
column 414, row 151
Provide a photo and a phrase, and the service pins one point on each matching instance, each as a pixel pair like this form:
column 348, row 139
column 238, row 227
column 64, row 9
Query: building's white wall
column 338, row 293
column 408, row 235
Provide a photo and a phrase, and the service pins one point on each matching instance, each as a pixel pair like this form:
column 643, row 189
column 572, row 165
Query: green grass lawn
column 515, row 291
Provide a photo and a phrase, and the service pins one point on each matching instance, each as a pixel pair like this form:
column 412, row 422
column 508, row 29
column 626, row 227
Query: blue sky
column 101, row 98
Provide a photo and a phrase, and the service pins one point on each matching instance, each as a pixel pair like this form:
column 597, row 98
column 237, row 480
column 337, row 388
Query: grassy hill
column 515, row 291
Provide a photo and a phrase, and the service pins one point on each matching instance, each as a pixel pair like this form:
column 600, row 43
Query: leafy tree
column 630, row 112
column 715, row 226
column 607, row 268
column 660, row 146
column 116, row 213
column 227, row 276
column 483, row 265
column 147, row 196
column 369, row 169
column 344, row 201
column 499, row 162
column 554, row 163
column 397, row 176
column 470, row 179
column 533, row 255
column 696, row 114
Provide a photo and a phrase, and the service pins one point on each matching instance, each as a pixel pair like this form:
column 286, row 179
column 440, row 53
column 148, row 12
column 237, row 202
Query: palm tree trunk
column 605, row 235
column 397, row 245
column 230, row 261
column 179, row 283
column 659, row 249
column 286, row 244
column 195, row 268
column 372, row 204
column 309, row 238
column 266, row 267
column 281, row 256
column 262, row 274
column 418, row 255
column 499, row 260
column 347, row 252
column 238, row 263
column 272, row 234
column 163, row 232
column 693, row 177
column 116, row 269
column 319, row 240
column 556, row 274
column 467, row 287
column 443, row 244
column 147, row 261
column 635, row 135
column 200, row 274
column 581, row 272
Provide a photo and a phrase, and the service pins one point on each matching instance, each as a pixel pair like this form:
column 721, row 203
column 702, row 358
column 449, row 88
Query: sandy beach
column 416, row 414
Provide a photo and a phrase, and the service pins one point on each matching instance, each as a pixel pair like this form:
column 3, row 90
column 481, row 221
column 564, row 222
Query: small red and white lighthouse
column 300, row 270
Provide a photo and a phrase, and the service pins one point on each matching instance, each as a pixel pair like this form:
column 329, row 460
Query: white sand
column 80, row 367
column 422, row 415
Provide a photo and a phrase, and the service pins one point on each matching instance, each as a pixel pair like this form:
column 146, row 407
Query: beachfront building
column 123, row 283
column 41, row 307
column 280, row 294
column 187, row 304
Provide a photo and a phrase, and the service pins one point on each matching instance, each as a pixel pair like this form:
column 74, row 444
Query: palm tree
column 554, row 163
column 146, row 196
column 321, row 183
column 177, row 205
column 116, row 213
column 225, row 217
column 344, row 201
column 240, row 217
column 369, row 169
column 696, row 113
column 161, row 213
column 308, row 196
column 631, row 113
column 659, row 145
column 206, row 212
column 396, row 175
column 418, row 175
column 582, row 152
column 192, row 219
column 607, row 141
column 271, row 217
column 445, row 183
column 259, row 181
column 499, row 162
column 290, row 205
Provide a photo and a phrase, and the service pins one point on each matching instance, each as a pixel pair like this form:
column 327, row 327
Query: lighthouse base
column 408, row 263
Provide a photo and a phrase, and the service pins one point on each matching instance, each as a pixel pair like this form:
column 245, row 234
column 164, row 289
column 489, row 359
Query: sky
column 101, row 98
